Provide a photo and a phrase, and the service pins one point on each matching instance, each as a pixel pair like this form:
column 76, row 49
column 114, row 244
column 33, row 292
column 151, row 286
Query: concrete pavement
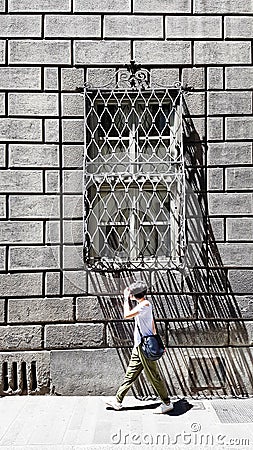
column 68, row 423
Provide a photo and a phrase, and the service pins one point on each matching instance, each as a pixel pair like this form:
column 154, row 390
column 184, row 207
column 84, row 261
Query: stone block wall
column 56, row 320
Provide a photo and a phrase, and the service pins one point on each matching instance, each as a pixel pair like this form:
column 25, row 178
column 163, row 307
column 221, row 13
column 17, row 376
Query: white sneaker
column 163, row 408
column 114, row 404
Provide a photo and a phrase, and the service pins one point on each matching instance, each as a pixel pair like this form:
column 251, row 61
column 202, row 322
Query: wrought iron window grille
column 134, row 177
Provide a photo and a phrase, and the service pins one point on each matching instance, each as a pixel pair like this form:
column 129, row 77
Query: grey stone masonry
column 33, row 104
column 193, row 27
column 20, row 78
column 20, row 337
column 72, row 336
column 72, row 26
column 19, row 26
column 51, row 302
column 39, row 5
column 133, row 26
column 39, row 52
column 36, row 310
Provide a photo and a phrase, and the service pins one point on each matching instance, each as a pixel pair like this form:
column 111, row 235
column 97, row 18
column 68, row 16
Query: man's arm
column 129, row 313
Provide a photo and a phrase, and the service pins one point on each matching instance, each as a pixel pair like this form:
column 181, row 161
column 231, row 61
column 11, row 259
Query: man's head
column 138, row 289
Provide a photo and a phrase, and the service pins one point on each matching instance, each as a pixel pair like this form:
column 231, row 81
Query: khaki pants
column 137, row 363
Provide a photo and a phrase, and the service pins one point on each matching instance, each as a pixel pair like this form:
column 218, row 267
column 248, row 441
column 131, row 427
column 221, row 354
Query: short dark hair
column 138, row 289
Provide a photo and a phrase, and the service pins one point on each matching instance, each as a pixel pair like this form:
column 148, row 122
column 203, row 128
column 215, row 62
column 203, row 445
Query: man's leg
column 153, row 374
column 134, row 369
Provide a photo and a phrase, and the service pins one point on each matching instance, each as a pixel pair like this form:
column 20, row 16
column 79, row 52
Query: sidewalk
column 68, row 423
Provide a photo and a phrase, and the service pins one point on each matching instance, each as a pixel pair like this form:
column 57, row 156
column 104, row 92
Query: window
column 134, row 178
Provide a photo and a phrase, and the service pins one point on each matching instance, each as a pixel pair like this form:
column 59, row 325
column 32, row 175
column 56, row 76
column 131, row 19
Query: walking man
column 144, row 325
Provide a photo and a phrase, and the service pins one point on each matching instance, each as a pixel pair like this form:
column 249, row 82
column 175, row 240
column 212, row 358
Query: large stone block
column 89, row 308
column 214, row 128
column 239, row 255
column 215, row 179
column 72, row 26
column 34, row 257
column 20, row 78
column 20, row 26
column 133, row 26
column 241, row 281
column 53, row 232
column 39, row 52
column 240, row 229
column 102, row 52
column 2, row 52
column 230, row 204
column 93, row 374
column 239, row 128
column 73, row 231
column 73, row 130
column 238, row 27
column 106, row 6
column 72, row 105
column 51, row 81
column 217, row 228
column 2, row 105
column 240, row 178
column 2, row 310
column 16, row 284
column 224, row 52
column 241, row 333
column 53, row 283
column 2, row 258
column 22, row 155
column 17, row 231
column 74, row 282
column 39, row 5
column 36, row 310
column 229, row 103
column 26, row 373
column 21, row 129
column 52, row 130
column 33, row 104
column 194, row 76
column 73, row 181
column 227, row 6
column 193, row 27
column 73, row 156
column 158, row 52
column 73, row 257
column 2, row 205
column 98, row 77
column 162, row 6
column 2, row 155
column 72, row 78
column 74, row 336
column 35, row 206
column 164, row 77
column 226, row 153
column 73, row 206
column 52, row 178
column 20, row 337
column 196, row 104
column 215, row 78
column 245, row 305
column 199, row 333
column 21, row 181
column 239, row 77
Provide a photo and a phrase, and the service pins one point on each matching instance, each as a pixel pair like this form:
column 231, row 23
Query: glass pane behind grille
column 134, row 179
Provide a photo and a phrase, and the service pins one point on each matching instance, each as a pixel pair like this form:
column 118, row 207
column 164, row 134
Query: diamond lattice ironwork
column 134, row 183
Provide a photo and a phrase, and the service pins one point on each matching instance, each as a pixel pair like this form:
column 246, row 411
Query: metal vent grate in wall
column 19, row 378
column 134, row 175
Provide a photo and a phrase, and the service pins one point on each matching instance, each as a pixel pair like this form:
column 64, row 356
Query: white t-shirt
column 144, row 319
